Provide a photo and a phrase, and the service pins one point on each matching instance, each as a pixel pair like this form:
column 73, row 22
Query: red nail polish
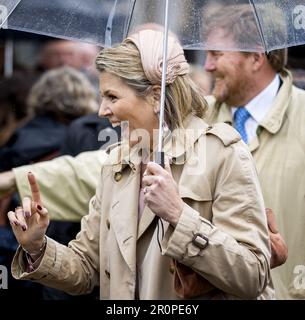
column 39, row 207
column 24, row 228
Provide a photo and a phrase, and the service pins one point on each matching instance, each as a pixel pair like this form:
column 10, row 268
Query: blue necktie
column 241, row 115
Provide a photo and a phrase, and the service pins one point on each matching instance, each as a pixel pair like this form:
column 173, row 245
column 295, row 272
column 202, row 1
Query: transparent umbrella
column 239, row 25
column 277, row 23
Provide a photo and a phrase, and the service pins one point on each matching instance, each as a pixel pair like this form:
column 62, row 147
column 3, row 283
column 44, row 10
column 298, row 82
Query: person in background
column 255, row 93
column 14, row 111
column 58, row 53
column 57, row 98
column 78, row 55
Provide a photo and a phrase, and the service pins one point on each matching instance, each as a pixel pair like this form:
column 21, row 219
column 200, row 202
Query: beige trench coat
column 223, row 203
column 279, row 154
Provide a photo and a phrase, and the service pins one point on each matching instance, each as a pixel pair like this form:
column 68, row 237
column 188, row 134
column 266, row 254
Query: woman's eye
column 112, row 98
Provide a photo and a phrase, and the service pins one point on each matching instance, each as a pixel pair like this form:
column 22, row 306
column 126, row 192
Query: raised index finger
column 34, row 188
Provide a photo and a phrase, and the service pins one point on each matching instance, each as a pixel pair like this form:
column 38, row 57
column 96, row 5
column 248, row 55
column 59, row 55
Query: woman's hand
column 161, row 193
column 7, row 183
column 30, row 221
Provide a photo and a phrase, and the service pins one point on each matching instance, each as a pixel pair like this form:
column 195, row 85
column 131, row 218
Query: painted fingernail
column 27, row 214
column 16, row 223
column 24, row 228
column 39, row 207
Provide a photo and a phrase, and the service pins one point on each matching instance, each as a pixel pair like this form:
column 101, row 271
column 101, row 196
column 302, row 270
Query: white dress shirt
column 259, row 106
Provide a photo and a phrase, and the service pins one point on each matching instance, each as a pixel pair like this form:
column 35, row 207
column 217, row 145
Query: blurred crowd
column 46, row 112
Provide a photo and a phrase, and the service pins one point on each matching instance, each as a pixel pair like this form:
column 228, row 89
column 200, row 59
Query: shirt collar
column 259, row 106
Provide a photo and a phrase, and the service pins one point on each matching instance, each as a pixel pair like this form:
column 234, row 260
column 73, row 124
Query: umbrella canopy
column 102, row 22
column 276, row 23
column 245, row 25
column 238, row 25
column 6, row 8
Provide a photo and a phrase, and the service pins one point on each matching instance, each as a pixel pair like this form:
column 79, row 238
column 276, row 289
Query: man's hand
column 279, row 250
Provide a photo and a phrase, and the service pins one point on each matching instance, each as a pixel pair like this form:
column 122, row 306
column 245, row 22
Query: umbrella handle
column 159, row 158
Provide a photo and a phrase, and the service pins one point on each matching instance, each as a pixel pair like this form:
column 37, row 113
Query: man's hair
column 238, row 23
column 183, row 97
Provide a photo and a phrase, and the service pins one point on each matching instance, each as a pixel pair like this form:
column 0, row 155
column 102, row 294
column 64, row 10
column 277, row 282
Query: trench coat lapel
column 124, row 212
column 176, row 148
column 124, row 215
column 145, row 221
column 124, row 208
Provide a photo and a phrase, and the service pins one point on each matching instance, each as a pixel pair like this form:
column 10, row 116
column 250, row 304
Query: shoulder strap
column 227, row 134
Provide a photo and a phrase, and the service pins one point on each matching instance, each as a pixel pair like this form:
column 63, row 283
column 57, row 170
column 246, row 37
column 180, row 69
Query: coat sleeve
column 73, row 269
column 231, row 251
column 66, row 183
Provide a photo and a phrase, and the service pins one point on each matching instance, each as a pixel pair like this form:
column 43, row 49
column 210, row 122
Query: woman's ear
column 156, row 94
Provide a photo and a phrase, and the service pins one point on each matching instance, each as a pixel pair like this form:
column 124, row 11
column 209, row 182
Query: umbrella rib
column 129, row 19
column 260, row 30
column 5, row 20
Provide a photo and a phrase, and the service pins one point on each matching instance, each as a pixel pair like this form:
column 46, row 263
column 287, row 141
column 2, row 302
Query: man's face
column 61, row 53
column 232, row 75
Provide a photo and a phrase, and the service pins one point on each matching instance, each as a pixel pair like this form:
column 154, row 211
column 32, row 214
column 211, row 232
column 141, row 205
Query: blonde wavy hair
column 63, row 93
column 183, row 97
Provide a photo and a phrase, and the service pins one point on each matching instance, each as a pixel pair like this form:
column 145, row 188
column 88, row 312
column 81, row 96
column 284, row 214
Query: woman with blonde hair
column 207, row 198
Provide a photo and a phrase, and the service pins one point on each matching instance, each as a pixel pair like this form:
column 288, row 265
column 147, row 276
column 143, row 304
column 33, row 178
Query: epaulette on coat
column 226, row 133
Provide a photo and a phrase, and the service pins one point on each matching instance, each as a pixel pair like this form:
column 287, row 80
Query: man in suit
column 254, row 92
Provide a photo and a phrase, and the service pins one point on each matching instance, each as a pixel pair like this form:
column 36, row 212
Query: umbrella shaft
column 163, row 82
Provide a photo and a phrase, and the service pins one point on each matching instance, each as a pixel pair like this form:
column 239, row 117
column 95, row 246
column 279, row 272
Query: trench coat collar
column 275, row 116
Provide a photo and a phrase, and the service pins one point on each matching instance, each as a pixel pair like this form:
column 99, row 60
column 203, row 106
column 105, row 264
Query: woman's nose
column 104, row 110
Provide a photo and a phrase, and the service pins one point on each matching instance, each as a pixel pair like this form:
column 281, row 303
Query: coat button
column 108, row 224
column 107, row 274
column 209, row 127
column 118, row 176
